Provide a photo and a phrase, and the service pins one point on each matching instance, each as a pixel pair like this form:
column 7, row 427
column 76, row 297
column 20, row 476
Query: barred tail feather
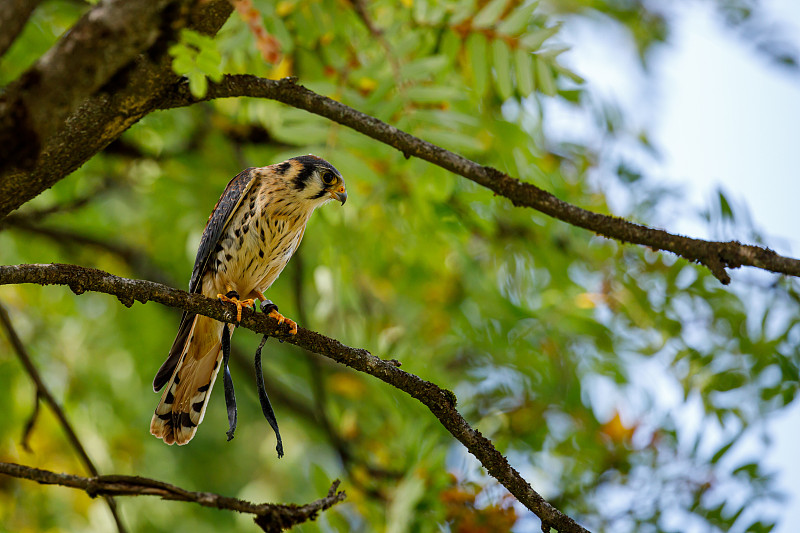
column 185, row 398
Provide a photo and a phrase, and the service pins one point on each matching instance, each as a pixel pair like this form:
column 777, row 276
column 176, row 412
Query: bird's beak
column 340, row 195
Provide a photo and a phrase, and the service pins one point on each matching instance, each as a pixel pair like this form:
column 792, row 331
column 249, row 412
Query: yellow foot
column 281, row 319
column 234, row 299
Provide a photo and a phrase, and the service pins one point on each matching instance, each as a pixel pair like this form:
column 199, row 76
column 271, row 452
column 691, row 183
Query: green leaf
column 723, row 450
column 749, row 469
column 477, row 54
column 725, row 206
column 533, row 41
column 489, row 14
column 569, row 73
column 198, row 84
column 196, row 39
column 502, row 68
column 454, row 140
column 182, row 65
column 461, row 12
column 524, row 68
column 518, row 20
column 431, row 94
column 451, row 44
column 544, row 77
column 209, row 62
column 551, row 53
column 424, row 67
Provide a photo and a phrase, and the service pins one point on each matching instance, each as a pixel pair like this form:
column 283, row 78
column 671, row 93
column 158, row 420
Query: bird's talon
column 233, row 297
column 282, row 319
column 277, row 316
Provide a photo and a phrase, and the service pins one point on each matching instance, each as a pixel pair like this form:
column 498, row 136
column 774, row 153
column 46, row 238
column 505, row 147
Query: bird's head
column 313, row 180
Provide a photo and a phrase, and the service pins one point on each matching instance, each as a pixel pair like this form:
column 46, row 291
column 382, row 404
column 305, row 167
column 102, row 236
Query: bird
column 252, row 232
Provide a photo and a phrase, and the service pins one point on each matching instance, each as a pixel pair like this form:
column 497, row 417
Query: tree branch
column 43, row 393
column 102, row 42
column 441, row 402
column 269, row 516
column 97, row 112
column 716, row 256
column 13, row 16
column 139, row 261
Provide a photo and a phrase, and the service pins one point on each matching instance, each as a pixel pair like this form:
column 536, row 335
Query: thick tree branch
column 716, row 256
column 43, row 393
column 103, row 41
column 13, row 16
column 441, row 402
column 269, row 516
column 102, row 107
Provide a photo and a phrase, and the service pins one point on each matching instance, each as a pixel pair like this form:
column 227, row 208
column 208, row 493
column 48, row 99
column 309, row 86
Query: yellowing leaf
column 283, row 69
column 367, row 84
column 585, row 300
column 616, row 431
column 284, row 8
column 346, row 384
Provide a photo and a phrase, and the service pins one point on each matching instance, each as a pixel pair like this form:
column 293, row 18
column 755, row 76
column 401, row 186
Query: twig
column 135, row 258
column 441, row 402
column 28, row 429
column 269, row 516
column 716, row 256
column 38, row 214
column 44, row 393
column 377, row 34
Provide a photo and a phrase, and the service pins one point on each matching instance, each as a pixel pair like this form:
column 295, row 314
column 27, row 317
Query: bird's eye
column 328, row 178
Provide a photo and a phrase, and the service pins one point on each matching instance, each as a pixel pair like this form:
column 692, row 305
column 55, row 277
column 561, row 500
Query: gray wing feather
column 223, row 212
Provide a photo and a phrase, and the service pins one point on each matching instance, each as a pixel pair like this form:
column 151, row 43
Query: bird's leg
column 266, row 407
column 230, row 397
column 233, row 297
column 272, row 310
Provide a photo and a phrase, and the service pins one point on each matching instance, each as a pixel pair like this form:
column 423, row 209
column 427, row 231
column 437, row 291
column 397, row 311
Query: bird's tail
column 185, row 397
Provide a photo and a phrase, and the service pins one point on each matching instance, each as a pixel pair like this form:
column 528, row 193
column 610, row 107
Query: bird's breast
column 254, row 249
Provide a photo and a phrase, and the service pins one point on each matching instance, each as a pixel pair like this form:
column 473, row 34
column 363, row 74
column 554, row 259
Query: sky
column 721, row 116
column 728, row 118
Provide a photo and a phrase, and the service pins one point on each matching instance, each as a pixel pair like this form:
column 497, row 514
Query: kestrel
column 249, row 238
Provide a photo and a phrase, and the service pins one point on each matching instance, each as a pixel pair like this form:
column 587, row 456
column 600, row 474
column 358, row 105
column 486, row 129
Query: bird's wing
column 220, row 217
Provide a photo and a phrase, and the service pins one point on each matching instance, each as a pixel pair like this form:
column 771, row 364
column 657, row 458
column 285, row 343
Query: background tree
column 531, row 322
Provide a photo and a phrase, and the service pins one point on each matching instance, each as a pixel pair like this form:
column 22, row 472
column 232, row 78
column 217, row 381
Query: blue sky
column 729, row 119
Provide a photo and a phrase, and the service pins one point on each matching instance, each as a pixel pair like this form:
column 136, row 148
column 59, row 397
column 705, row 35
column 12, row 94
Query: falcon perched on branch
column 250, row 236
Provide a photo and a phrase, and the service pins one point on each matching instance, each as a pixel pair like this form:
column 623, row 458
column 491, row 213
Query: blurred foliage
column 619, row 381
